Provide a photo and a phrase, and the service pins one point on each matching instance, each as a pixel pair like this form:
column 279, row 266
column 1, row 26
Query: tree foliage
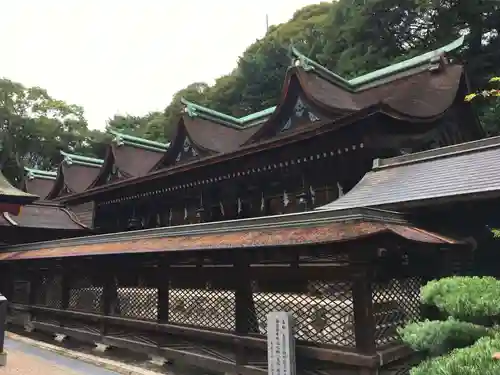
column 349, row 37
column 151, row 126
column 465, row 342
column 34, row 127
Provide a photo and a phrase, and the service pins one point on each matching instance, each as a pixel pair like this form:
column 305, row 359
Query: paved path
column 24, row 359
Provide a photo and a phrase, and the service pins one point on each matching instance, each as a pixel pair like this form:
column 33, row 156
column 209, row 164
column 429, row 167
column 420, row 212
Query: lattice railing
column 323, row 314
column 84, row 296
column 49, row 291
column 209, row 308
column 136, row 302
column 395, row 304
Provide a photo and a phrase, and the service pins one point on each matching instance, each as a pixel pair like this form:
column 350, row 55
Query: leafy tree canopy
column 350, row 37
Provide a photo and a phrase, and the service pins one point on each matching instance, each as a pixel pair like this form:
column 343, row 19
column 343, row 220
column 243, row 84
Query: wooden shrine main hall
column 333, row 205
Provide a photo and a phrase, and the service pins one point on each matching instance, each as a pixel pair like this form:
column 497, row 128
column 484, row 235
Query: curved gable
column 182, row 149
column 39, row 182
column 128, row 156
column 419, row 88
column 75, row 174
column 203, row 132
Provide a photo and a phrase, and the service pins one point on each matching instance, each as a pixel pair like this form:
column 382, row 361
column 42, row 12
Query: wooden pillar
column 362, row 295
column 34, row 287
column 245, row 315
column 65, row 285
column 163, row 285
column 364, row 323
column 109, row 296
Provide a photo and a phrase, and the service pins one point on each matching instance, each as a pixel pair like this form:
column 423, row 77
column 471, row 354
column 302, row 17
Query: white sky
column 128, row 56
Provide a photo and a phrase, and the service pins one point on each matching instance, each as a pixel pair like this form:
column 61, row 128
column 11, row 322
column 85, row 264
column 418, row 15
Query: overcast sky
column 128, row 56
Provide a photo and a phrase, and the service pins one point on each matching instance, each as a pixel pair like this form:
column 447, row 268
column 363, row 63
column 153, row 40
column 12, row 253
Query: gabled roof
column 75, row 174
column 464, row 171
column 39, row 182
column 209, row 132
column 380, row 76
column 420, row 88
column 129, row 156
column 417, row 90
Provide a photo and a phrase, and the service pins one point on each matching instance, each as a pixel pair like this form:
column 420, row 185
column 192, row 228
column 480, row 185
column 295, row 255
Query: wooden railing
column 213, row 316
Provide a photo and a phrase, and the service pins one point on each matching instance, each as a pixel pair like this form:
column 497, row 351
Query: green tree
column 467, row 337
column 195, row 92
column 257, row 80
column 262, row 67
column 34, row 127
column 151, row 126
column 489, row 110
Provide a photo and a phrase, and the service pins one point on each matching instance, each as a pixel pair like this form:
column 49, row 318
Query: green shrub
column 473, row 360
column 440, row 337
column 473, row 299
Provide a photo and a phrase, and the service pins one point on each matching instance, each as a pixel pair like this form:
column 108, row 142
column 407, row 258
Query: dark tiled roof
column 79, row 177
column 216, row 137
column 421, row 89
column 47, row 216
column 464, row 170
column 39, row 186
column 283, row 230
column 424, row 94
column 135, row 161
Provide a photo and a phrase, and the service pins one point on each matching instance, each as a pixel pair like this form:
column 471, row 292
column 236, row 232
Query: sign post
column 280, row 344
column 3, row 318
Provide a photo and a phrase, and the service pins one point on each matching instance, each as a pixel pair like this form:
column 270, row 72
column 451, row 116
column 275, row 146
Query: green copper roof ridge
column 408, row 63
column 84, row 160
column 40, row 173
column 353, row 84
column 309, row 64
column 137, row 141
column 194, row 109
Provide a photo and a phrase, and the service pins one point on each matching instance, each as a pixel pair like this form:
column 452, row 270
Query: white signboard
column 280, row 344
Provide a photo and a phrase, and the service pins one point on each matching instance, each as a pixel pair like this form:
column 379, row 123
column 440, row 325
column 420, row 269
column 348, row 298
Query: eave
column 315, row 227
column 307, row 132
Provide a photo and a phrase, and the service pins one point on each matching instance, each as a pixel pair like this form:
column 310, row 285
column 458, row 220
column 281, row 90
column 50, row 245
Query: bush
column 437, row 337
column 466, row 348
column 474, row 360
column 474, row 299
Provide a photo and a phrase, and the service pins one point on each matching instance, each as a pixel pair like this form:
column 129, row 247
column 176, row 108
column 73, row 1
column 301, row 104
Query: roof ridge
column 437, row 153
column 33, row 173
column 81, row 160
column 193, row 110
column 126, row 139
column 355, row 84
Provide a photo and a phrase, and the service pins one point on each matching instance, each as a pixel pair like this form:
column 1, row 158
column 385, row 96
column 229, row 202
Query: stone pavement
column 25, row 359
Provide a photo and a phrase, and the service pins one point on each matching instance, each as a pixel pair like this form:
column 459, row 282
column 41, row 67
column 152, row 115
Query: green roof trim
column 125, row 139
column 81, row 160
column 356, row 83
column 32, row 173
column 194, row 110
